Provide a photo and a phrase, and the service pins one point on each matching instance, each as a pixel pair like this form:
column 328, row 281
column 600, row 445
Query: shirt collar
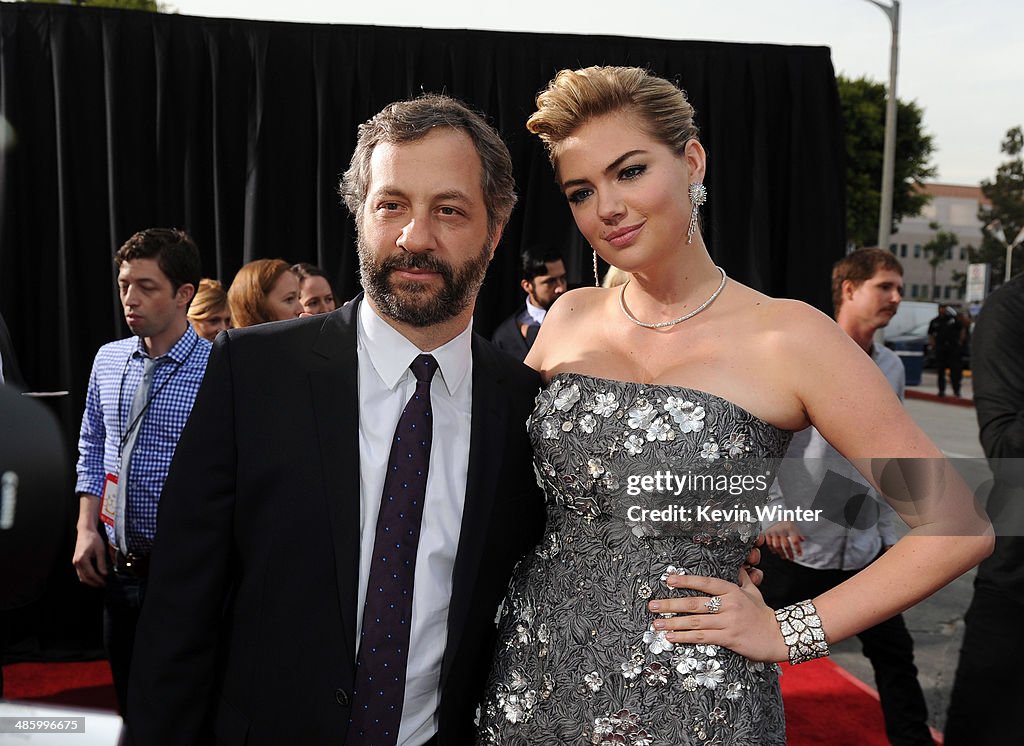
column 391, row 354
column 179, row 351
column 537, row 314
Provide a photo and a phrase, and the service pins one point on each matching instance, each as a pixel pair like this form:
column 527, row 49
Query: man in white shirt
column 543, row 281
column 815, row 556
column 331, row 461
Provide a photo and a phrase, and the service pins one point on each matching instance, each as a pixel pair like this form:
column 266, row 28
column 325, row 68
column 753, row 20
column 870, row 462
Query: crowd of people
column 263, row 290
column 347, row 503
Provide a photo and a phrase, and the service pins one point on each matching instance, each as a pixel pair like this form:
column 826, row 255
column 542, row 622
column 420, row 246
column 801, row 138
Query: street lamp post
column 995, row 229
column 892, row 11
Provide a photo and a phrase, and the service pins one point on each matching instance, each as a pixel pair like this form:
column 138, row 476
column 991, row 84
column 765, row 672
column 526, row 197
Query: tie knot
column 423, row 367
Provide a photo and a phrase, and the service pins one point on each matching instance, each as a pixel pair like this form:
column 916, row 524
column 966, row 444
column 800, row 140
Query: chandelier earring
column 698, row 196
column 597, row 280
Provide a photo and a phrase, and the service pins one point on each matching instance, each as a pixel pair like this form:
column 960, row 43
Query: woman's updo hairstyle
column 576, row 96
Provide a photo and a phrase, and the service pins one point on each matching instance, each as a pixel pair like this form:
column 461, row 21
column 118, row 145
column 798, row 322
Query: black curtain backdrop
column 237, row 131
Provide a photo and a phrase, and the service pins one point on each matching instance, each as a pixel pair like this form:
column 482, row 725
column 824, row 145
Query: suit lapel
column 333, row 380
column 486, row 446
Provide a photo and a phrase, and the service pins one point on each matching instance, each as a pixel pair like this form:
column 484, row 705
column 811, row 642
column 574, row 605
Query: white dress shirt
column 810, row 457
column 385, row 385
column 532, row 315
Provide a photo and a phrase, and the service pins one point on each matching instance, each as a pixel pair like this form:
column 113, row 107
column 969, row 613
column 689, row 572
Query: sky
column 961, row 61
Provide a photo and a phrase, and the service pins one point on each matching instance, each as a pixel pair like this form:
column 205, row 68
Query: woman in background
column 681, row 371
column 264, row 290
column 315, row 293
column 209, row 313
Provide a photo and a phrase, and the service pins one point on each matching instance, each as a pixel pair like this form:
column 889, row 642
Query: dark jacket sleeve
column 997, row 369
column 173, row 680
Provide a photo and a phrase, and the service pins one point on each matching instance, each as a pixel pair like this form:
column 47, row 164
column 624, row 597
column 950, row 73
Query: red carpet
column 926, row 396
column 74, row 684
column 825, row 706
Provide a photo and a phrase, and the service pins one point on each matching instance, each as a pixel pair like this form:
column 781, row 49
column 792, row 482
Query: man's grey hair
column 408, row 121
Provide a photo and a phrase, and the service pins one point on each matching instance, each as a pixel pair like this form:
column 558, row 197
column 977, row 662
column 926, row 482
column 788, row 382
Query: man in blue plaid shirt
column 140, row 395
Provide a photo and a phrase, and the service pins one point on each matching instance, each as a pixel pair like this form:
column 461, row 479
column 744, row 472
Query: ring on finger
column 713, row 604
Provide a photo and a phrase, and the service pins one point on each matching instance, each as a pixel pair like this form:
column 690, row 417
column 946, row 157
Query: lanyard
column 138, row 418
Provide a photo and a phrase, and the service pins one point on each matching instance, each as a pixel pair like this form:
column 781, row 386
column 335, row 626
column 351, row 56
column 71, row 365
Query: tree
column 150, row 5
column 938, row 250
column 863, row 106
column 1006, row 197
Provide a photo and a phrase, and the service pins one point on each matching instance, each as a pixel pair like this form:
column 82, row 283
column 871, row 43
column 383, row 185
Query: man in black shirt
column 985, row 709
column 946, row 337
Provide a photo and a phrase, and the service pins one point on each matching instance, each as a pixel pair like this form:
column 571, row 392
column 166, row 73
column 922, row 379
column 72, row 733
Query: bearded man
column 352, row 490
column 543, row 279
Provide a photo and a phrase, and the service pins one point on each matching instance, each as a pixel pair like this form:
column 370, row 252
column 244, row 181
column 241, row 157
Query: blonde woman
column 677, row 374
column 209, row 312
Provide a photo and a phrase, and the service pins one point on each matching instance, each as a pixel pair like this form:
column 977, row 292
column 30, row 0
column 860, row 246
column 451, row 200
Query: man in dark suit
column 946, row 337
column 984, row 706
column 543, row 281
column 352, row 490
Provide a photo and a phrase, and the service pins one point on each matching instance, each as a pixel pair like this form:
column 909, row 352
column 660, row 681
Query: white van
column 907, row 335
column 911, row 319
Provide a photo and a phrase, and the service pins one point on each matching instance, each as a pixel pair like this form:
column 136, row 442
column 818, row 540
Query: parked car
column 909, row 318
column 911, row 341
column 907, row 335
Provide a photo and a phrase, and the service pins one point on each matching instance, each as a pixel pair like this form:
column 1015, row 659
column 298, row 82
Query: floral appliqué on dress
column 578, row 660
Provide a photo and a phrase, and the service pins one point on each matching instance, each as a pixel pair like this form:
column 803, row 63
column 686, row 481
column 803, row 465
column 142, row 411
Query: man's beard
column 544, row 306
column 418, row 303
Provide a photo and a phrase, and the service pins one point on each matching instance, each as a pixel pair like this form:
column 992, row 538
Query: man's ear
column 848, row 288
column 496, row 240
column 527, row 286
column 184, row 294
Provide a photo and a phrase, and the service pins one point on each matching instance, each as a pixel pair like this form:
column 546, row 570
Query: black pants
column 121, row 604
column 987, row 705
column 953, row 361
column 888, row 646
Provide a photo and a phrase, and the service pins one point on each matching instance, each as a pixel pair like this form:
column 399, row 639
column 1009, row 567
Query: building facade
column 955, row 209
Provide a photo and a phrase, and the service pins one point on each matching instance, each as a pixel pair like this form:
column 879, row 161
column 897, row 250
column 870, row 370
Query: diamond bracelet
column 802, row 632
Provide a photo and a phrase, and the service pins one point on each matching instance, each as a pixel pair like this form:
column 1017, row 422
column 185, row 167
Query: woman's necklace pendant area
column 673, row 322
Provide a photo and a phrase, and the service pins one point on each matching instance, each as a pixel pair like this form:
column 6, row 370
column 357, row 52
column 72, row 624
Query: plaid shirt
column 116, row 373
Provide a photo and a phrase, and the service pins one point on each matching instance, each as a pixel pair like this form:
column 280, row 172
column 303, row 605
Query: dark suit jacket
column 997, row 367
column 247, row 633
column 508, row 338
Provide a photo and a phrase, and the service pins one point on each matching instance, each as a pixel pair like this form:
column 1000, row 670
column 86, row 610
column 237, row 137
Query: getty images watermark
column 677, row 484
column 826, row 496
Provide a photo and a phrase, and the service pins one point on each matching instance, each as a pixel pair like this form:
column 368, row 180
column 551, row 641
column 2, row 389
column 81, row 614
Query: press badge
column 108, row 510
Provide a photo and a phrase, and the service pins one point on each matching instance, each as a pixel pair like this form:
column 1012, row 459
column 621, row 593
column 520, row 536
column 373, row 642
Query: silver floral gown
column 577, row 660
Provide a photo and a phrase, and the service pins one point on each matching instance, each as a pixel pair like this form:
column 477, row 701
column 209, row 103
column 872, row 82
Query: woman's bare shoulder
column 572, row 311
column 784, row 315
column 578, row 301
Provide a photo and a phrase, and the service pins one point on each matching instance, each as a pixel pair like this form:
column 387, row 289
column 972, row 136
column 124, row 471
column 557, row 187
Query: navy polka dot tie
column 387, row 615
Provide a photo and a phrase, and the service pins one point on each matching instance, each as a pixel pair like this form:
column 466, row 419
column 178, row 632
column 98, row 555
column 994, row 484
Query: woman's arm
column 847, row 398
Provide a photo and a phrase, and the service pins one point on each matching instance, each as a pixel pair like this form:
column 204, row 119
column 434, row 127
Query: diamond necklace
column 673, row 322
